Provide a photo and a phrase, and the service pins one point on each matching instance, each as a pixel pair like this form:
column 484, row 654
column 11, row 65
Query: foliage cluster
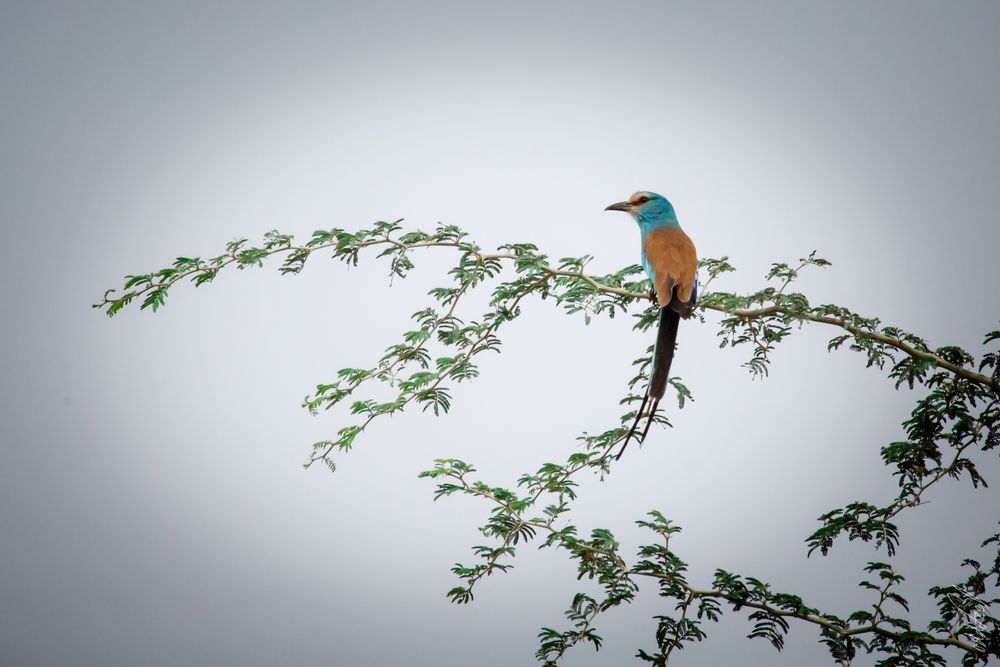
column 954, row 423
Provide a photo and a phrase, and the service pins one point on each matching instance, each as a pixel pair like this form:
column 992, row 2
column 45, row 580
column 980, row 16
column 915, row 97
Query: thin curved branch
column 161, row 281
column 873, row 628
column 754, row 313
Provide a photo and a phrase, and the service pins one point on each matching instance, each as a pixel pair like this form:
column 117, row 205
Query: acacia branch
column 841, row 630
column 692, row 593
column 961, row 371
column 159, row 282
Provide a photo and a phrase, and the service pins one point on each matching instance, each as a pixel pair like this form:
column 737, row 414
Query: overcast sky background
column 153, row 508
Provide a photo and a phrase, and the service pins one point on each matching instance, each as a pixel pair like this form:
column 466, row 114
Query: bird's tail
column 663, row 355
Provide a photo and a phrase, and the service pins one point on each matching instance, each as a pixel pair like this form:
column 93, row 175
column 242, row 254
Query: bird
column 671, row 262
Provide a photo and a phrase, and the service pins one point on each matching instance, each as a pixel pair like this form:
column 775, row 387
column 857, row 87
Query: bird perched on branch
column 671, row 263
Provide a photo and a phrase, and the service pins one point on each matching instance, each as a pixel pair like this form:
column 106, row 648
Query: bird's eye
column 643, row 200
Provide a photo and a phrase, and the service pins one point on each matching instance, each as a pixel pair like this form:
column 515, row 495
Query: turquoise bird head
column 650, row 210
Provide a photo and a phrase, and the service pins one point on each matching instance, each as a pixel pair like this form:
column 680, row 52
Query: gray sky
column 153, row 509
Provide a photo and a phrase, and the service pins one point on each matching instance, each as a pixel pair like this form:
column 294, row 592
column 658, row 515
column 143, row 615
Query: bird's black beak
column 620, row 206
